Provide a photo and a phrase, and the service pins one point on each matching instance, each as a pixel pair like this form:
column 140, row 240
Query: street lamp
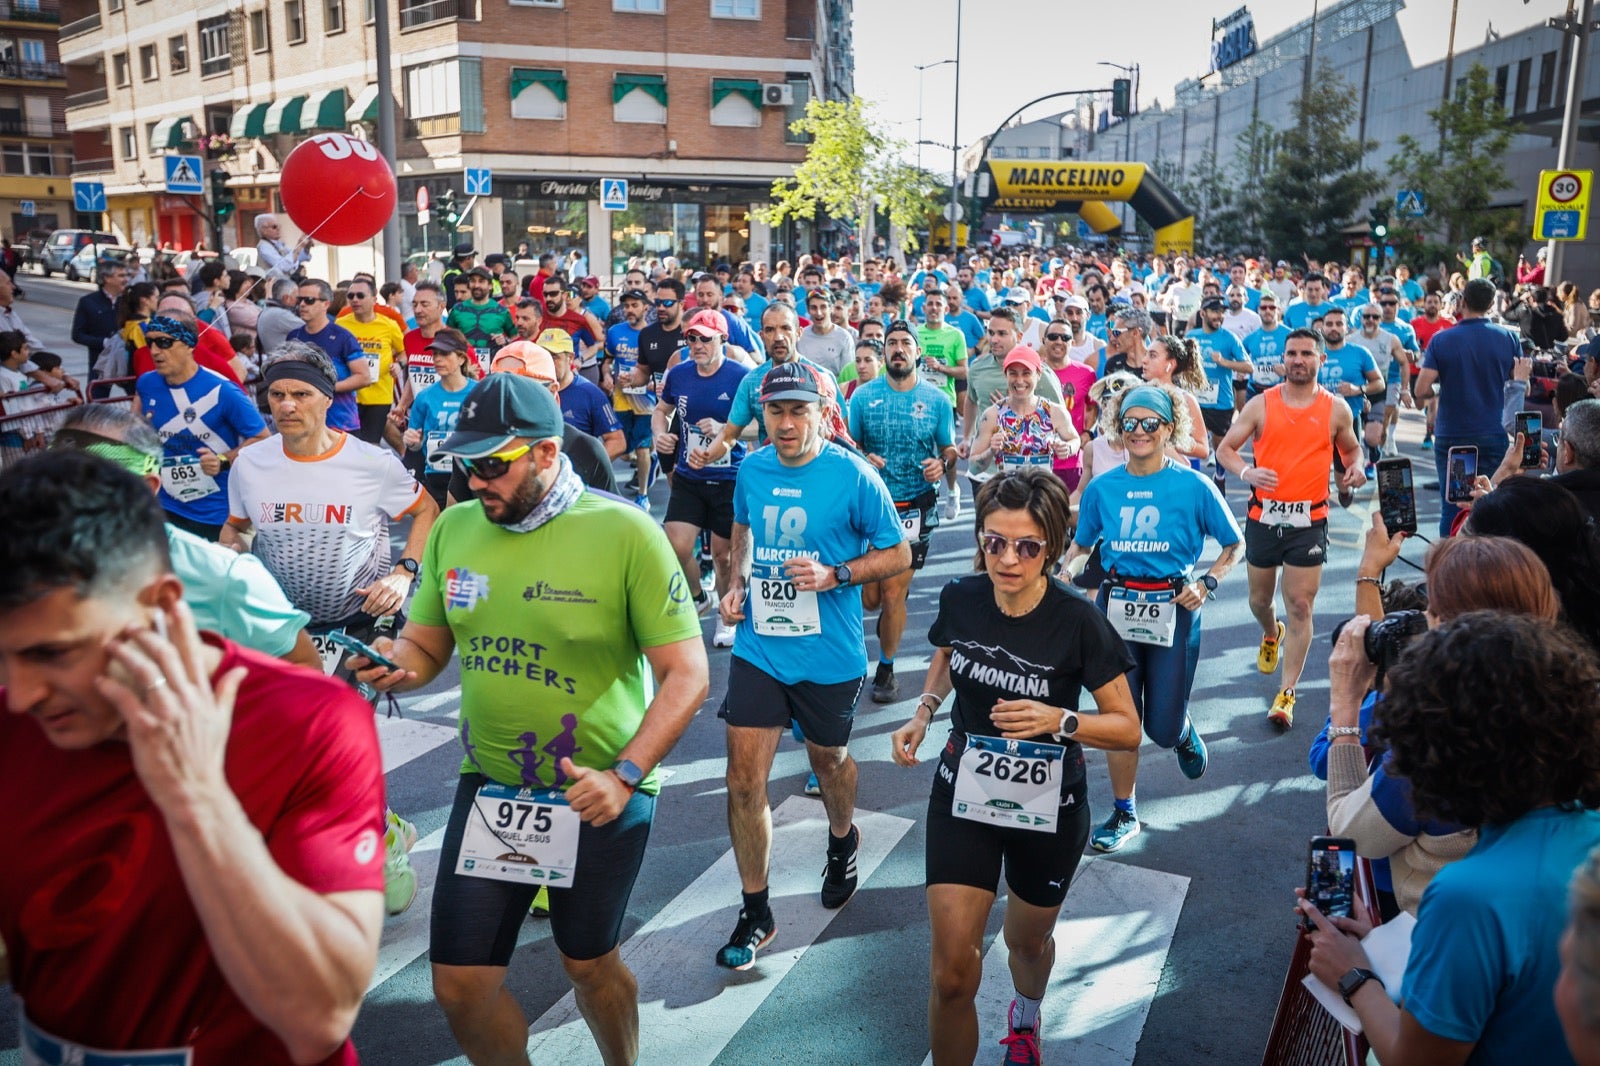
column 955, row 152
column 920, row 68
column 1127, row 150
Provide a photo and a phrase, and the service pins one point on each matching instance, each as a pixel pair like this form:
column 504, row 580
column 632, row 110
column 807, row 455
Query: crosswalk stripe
column 671, row 955
column 404, row 739
column 1111, row 944
column 406, row 937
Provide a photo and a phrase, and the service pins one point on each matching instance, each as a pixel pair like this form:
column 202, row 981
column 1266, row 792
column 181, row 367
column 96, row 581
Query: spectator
column 278, row 317
column 1574, row 315
column 274, row 254
column 1578, row 986
column 1578, row 453
column 95, row 317
column 1482, row 970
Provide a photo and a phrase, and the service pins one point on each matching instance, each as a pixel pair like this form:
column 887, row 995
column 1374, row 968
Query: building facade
column 689, row 100
column 35, row 165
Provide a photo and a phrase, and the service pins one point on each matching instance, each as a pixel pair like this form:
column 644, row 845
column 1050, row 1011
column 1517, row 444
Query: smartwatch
column 1068, row 726
column 409, row 566
column 1209, row 582
column 628, row 773
column 841, row 574
column 1351, row 982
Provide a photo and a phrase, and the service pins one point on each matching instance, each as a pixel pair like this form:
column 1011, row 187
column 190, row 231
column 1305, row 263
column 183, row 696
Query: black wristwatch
column 409, row 566
column 1210, row 583
column 1351, row 982
column 841, row 574
column 628, row 773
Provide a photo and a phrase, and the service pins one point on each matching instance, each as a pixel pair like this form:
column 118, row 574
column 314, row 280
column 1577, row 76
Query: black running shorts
column 1039, row 867
column 1270, row 547
column 760, row 701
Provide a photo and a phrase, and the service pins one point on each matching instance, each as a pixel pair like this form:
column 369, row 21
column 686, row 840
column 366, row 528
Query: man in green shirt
column 559, row 738
column 487, row 325
column 944, row 347
column 1481, row 265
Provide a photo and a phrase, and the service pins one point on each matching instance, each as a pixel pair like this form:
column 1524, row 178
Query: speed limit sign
column 1563, row 206
column 1565, row 187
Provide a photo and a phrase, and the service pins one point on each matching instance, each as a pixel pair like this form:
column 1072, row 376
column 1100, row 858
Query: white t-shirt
column 1283, row 289
column 1241, row 323
column 322, row 524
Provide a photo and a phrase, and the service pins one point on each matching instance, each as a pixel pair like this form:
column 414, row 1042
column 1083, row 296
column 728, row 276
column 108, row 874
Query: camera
column 1386, row 638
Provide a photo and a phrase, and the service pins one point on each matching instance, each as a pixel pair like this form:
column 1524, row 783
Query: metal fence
column 28, row 426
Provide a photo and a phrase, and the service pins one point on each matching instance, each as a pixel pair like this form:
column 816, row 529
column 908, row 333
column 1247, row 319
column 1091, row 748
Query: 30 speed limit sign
column 1565, row 187
column 1563, row 205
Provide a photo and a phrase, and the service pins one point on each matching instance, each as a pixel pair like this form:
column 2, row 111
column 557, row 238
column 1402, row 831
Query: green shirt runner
column 946, row 345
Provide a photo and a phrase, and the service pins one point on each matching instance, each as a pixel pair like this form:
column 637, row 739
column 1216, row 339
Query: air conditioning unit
column 777, row 94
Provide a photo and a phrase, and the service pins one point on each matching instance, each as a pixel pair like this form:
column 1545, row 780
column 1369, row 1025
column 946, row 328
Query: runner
column 485, row 322
column 1076, row 377
column 557, row 727
column 582, row 402
column 1150, row 518
column 1023, row 430
column 1399, row 378
column 1393, row 364
column 339, row 345
column 944, row 362
column 143, row 821
column 986, row 386
column 906, row 428
column 202, row 418
column 587, row 332
column 1349, row 372
column 1128, row 336
column 433, row 414
column 631, row 391
column 813, row 522
column 1018, row 648
column 1176, row 361
column 1265, row 348
column 1297, row 428
column 1426, row 326
column 696, row 398
column 1084, row 347
column 1222, row 357
column 385, row 347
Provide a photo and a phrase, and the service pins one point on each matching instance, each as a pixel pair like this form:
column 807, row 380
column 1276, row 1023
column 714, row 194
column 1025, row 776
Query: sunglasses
column 1115, row 333
column 492, row 466
column 666, row 303
column 1149, row 424
column 1058, row 336
column 1369, row 318
column 551, row 294
column 996, row 545
column 303, row 300
column 161, row 342
column 1388, row 303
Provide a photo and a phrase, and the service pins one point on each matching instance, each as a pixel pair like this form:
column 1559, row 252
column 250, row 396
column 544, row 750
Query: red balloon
column 338, row 189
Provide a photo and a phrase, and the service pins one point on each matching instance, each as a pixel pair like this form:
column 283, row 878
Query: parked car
column 64, row 244
column 82, row 266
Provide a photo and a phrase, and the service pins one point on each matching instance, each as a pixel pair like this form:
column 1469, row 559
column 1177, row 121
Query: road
column 1172, row 951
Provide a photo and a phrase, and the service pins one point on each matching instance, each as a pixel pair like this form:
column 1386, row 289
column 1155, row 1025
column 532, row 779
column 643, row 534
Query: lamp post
column 1578, row 25
column 920, row 68
column 1127, row 120
column 955, row 151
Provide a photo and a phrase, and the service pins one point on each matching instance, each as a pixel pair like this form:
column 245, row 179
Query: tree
column 1316, row 181
column 851, row 165
column 1460, row 178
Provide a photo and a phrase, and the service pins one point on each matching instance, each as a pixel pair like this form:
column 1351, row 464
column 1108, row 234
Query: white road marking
column 406, row 937
column 404, row 739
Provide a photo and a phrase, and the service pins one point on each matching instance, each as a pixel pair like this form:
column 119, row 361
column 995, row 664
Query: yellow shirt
column 383, row 342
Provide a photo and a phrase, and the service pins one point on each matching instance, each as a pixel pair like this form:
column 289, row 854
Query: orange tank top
column 1297, row 444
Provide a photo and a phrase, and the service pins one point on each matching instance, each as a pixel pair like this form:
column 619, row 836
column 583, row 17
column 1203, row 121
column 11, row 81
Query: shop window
column 129, row 136
column 735, row 102
column 538, row 94
column 643, row 7
column 178, row 53
column 149, row 66
column 121, row 71
column 639, row 98
column 736, row 9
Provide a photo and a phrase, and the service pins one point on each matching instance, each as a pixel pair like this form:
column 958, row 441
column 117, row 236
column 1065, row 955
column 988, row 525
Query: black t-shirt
column 1051, row 654
column 657, row 344
column 589, row 462
column 1119, row 364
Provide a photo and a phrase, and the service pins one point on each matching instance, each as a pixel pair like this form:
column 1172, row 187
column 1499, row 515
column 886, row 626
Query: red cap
column 591, row 280
column 1022, row 355
column 707, row 323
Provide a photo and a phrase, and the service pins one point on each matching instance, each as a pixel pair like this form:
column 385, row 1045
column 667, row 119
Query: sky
column 1015, row 50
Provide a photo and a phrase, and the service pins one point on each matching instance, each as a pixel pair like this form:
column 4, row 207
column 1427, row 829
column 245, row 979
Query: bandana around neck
column 562, row 495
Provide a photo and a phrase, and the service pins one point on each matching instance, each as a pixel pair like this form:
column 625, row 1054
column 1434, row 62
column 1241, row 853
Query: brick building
column 688, row 99
column 35, row 187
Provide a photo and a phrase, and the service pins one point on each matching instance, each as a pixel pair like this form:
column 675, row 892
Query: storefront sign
column 1238, row 40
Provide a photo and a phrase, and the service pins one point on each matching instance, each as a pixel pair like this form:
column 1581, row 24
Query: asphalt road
column 855, row 990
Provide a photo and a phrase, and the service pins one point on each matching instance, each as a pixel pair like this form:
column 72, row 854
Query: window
column 736, row 9
column 644, row 7
column 1502, row 79
column 333, row 18
column 538, row 94
column 27, row 159
column 801, row 89
column 294, row 20
column 371, row 12
column 639, row 98
column 113, row 6
column 32, row 52
column 433, row 98
column 998, row 153
column 178, row 54
column 216, row 55
column 129, row 136
column 261, row 29
column 537, row 3
column 1547, row 79
column 1519, row 102
column 149, row 65
column 735, row 102
column 121, row 71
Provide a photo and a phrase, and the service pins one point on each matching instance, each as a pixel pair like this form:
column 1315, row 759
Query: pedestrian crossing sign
column 1408, row 203
column 185, row 175
column 614, row 194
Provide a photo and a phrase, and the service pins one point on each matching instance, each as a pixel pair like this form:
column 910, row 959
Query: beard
column 899, row 371
column 509, row 511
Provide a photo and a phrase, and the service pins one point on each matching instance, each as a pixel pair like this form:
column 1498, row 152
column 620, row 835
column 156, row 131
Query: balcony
column 30, row 11
column 417, row 13
column 434, row 126
column 79, row 27
column 93, row 166
column 14, row 126
column 16, row 69
column 88, row 98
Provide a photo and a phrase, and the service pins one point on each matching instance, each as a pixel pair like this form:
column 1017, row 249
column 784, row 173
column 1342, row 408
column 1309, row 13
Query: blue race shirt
column 1473, row 359
column 207, row 411
column 747, row 401
column 904, row 428
column 697, row 397
column 969, row 324
column 1265, row 349
column 622, row 345
column 433, row 414
column 976, row 298
column 755, row 305
column 832, row 509
column 585, row 406
column 1153, row 527
column 1299, row 314
column 1214, row 343
column 340, row 346
column 1096, row 324
column 1347, row 363
column 1408, row 340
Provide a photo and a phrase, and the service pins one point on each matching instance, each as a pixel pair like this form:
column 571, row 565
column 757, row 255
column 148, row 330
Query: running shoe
column 1267, row 654
column 950, row 506
column 839, row 875
column 748, row 938
column 1117, row 831
column 1192, row 755
column 813, row 786
column 1022, row 1047
column 723, row 637
column 407, row 831
column 1346, row 496
column 540, row 907
column 702, row 605
column 1282, row 713
column 1427, row 442
column 399, row 879
column 885, row 688
column 1371, row 471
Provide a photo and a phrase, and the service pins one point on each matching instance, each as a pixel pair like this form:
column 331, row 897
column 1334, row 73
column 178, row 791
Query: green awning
column 324, row 110
column 248, row 121
column 284, row 115
column 654, row 84
column 554, row 80
column 722, row 88
column 365, row 109
column 170, row 133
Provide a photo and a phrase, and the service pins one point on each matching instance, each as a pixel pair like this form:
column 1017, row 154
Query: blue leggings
column 1162, row 677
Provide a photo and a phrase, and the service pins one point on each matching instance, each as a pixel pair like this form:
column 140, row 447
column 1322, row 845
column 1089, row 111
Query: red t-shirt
column 573, row 321
column 1425, row 331
column 105, row 946
column 211, row 351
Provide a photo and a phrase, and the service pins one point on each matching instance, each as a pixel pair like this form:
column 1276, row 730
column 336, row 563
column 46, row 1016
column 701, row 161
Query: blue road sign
column 185, row 175
column 1558, row 225
column 28, row 209
column 614, row 194
column 87, row 196
column 1409, row 203
column 479, row 181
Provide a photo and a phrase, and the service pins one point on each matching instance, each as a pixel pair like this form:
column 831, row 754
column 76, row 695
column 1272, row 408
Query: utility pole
column 391, row 228
column 1311, row 62
column 1579, row 29
column 955, row 151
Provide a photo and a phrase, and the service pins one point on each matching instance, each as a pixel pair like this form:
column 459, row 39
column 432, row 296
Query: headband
column 298, row 370
column 178, row 331
column 126, row 456
column 1151, row 398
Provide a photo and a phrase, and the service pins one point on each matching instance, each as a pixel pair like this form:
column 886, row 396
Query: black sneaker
column 748, row 938
column 885, row 687
column 839, row 876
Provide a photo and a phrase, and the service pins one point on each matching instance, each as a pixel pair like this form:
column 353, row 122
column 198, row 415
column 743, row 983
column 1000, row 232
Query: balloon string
column 360, row 190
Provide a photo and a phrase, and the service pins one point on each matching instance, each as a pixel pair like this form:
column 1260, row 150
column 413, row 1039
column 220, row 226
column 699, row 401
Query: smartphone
column 1461, row 470
column 357, row 647
column 1397, row 496
column 1531, row 425
column 1331, row 877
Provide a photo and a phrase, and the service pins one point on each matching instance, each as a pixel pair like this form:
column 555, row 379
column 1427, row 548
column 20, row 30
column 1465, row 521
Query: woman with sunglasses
column 1023, row 430
column 1018, row 648
column 1151, row 518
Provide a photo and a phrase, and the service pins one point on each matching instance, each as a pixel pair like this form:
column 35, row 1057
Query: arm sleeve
column 605, row 416
column 255, row 612
column 1220, row 525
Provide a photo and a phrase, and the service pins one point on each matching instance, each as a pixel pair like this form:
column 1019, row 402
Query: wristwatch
column 409, row 566
column 1351, row 982
column 1209, row 582
column 1068, row 726
column 628, row 773
column 841, row 574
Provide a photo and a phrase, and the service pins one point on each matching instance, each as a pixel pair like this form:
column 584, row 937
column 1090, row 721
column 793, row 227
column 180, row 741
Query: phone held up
column 1331, row 878
column 1397, row 496
column 1531, row 425
column 1461, row 471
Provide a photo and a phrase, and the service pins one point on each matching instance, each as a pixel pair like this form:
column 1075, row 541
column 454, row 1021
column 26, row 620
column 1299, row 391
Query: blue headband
column 1150, row 398
column 178, row 331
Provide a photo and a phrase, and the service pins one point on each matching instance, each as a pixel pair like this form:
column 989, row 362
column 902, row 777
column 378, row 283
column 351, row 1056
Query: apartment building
column 689, row 100
column 35, row 187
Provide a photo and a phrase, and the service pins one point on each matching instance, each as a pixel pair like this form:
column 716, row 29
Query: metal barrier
column 23, row 432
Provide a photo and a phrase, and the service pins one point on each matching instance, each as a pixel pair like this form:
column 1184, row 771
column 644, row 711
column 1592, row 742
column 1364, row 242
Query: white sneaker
column 723, row 637
column 950, row 506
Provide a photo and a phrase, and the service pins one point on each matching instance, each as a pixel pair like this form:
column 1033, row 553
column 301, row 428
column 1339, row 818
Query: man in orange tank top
column 1295, row 427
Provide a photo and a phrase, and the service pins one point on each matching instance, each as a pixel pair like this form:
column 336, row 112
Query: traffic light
column 221, row 196
column 1121, row 89
column 1378, row 221
column 449, row 213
